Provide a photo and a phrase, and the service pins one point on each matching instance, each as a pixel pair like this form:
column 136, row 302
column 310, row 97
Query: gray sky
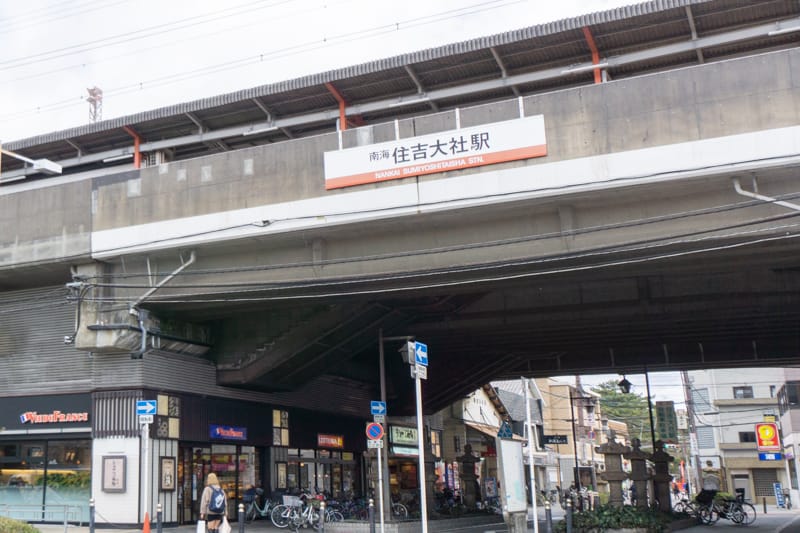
column 664, row 386
column 145, row 54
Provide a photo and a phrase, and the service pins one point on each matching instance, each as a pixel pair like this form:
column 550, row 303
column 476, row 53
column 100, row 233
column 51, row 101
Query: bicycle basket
column 705, row 496
column 291, row 501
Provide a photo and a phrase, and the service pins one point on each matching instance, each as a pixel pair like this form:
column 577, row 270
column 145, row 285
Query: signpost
column 415, row 354
column 555, row 439
column 378, row 410
column 145, row 409
column 374, row 433
column 779, row 501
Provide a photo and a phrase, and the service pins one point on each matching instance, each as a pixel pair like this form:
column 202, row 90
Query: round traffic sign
column 374, row 431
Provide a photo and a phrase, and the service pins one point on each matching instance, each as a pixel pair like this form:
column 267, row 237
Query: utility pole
column 689, row 398
column 95, row 100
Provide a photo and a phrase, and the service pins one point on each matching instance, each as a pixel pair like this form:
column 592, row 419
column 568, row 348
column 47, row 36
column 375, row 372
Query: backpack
column 216, row 504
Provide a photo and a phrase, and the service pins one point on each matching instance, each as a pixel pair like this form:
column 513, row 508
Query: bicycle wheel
column 748, row 512
column 333, row 515
column 399, row 511
column 706, row 515
column 281, row 515
column 250, row 514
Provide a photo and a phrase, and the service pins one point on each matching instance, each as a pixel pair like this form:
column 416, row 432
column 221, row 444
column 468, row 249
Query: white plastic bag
column 225, row 527
column 201, row 526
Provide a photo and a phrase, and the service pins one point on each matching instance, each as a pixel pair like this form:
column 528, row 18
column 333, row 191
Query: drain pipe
column 134, row 308
column 737, row 186
column 137, row 155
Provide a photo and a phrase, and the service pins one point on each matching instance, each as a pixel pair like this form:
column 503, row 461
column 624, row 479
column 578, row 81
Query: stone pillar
column 661, row 477
column 612, row 451
column 638, row 473
column 469, row 480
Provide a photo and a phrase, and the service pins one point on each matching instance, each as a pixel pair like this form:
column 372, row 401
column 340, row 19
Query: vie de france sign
column 487, row 144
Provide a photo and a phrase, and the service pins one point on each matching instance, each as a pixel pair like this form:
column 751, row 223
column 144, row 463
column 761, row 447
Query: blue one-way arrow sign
column 377, row 407
column 421, row 354
column 146, row 407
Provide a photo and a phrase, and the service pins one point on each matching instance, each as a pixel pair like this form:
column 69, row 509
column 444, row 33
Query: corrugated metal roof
column 637, row 39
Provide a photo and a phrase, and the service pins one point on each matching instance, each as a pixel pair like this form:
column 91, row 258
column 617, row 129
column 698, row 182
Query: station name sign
column 511, row 140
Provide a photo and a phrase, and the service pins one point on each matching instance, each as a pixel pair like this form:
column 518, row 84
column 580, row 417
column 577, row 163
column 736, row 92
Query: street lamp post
column 625, row 386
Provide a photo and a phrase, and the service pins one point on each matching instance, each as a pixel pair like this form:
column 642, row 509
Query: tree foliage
column 629, row 408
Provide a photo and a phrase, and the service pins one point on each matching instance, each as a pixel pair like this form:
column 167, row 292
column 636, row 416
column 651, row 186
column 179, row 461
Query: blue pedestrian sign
column 505, row 431
column 377, row 407
column 421, row 354
column 145, row 407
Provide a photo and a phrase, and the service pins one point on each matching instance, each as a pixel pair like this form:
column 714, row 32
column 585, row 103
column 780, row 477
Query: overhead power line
column 235, row 63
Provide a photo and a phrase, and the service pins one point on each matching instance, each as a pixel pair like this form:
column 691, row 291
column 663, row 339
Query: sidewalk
column 775, row 521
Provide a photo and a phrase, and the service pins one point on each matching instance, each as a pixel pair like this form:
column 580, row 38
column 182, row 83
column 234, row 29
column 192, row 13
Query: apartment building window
column 747, row 436
column 702, row 404
column 741, row 393
column 772, row 391
column 436, row 443
column 705, row 437
column 789, row 396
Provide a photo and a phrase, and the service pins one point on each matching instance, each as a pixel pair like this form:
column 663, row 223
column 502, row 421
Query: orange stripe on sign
column 435, row 167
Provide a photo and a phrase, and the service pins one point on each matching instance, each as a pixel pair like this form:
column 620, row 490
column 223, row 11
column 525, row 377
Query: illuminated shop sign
column 55, row 417
column 330, row 441
column 767, row 438
column 227, row 433
column 476, row 146
column 403, row 435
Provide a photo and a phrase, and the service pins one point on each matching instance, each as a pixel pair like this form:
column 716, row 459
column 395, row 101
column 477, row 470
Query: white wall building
column 727, row 405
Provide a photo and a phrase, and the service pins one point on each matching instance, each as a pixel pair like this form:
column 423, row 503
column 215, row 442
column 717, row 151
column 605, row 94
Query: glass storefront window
column 49, row 473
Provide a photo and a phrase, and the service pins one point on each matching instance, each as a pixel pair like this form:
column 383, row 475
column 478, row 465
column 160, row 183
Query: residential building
column 789, row 411
column 573, row 427
column 727, row 405
column 513, row 395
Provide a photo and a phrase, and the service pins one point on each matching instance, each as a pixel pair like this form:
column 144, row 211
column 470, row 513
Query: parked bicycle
column 710, row 509
column 295, row 512
column 685, row 506
column 399, row 511
column 253, row 510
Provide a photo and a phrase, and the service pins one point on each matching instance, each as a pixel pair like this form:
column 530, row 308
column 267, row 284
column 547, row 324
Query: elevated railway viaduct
column 655, row 228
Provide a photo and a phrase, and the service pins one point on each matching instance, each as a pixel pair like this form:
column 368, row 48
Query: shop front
column 46, row 457
column 237, row 467
column 326, row 467
column 281, row 453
